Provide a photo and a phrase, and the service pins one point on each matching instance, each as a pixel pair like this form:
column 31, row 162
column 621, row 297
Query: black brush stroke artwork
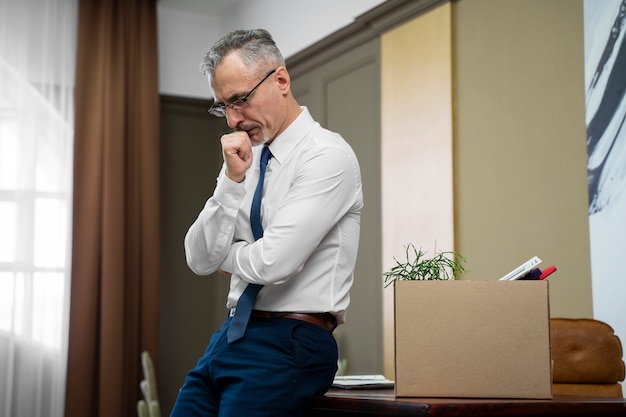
column 608, row 109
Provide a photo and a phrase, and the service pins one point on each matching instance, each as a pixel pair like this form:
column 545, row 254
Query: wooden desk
column 383, row 403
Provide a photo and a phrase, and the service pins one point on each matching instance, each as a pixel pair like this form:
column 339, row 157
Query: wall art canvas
column 605, row 83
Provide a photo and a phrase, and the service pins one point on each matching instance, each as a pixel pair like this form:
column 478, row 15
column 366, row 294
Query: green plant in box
column 417, row 267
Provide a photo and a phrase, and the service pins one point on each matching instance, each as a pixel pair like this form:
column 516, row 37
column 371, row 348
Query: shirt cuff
column 229, row 193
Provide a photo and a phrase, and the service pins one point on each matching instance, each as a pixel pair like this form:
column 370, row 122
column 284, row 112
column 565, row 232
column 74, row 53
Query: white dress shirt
column 311, row 209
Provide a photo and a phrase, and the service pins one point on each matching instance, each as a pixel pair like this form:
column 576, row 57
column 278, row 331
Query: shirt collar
column 283, row 144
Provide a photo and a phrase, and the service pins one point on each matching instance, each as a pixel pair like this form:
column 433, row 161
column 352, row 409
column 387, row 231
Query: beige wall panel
column 520, row 153
column 416, row 148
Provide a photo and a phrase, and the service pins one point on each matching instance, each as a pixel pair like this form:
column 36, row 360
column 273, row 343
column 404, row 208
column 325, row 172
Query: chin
column 259, row 140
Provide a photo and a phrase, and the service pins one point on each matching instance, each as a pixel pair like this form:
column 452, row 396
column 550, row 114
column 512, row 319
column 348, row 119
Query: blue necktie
column 238, row 323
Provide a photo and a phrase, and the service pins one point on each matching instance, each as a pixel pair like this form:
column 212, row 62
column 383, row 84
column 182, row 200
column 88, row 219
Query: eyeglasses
column 220, row 109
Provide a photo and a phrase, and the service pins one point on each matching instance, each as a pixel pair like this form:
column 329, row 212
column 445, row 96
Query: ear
column 283, row 79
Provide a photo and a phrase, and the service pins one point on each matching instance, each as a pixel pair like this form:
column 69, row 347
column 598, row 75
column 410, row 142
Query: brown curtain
column 115, row 265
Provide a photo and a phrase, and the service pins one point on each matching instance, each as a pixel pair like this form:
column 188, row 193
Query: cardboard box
column 472, row 339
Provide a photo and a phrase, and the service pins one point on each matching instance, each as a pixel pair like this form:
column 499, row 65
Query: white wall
column 185, row 37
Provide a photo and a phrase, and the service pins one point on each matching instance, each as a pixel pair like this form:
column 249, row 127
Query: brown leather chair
column 586, row 358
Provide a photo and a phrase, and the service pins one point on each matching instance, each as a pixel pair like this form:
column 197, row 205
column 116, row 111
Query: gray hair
column 255, row 47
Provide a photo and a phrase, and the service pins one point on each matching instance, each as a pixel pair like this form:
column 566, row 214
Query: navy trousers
column 275, row 370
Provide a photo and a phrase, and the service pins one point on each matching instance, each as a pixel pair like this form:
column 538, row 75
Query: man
column 301, row 254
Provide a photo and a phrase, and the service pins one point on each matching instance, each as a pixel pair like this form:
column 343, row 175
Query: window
column 34, row 219
column 37, row 65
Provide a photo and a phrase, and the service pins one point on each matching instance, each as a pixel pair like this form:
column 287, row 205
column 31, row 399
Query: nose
column 233, row 117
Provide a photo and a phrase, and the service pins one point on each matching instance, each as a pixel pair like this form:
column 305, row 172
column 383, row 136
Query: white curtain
column 37, row 64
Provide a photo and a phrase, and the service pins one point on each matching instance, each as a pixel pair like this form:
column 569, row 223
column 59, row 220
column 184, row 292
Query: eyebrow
column 232, row 98
column 238, row 96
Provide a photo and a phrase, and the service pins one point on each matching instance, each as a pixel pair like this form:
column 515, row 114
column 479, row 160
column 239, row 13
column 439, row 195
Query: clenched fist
column 237, row 152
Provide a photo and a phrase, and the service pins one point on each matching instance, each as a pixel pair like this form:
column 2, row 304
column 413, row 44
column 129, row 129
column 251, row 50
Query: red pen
column 546, row 272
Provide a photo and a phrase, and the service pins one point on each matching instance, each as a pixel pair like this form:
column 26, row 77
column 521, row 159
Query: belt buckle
column 231, row 313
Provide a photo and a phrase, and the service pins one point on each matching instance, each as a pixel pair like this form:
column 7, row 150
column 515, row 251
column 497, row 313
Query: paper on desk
column 362, row 381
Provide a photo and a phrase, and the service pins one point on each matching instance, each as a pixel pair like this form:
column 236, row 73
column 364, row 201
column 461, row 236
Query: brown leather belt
column 324, row 320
